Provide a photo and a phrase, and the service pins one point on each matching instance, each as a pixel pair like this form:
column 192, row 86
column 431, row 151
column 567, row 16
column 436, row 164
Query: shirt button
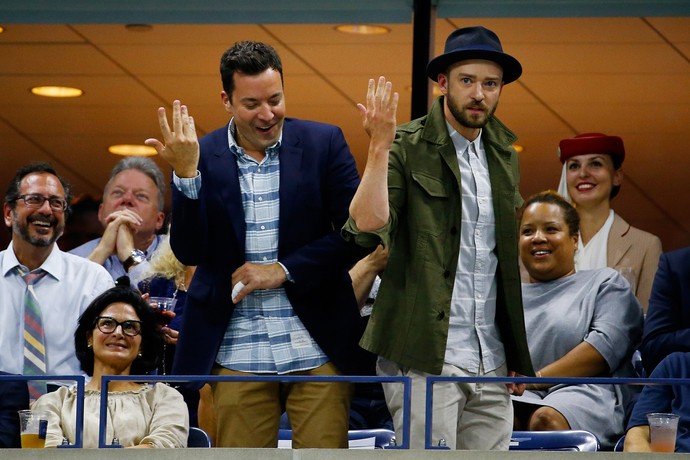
column 446, row 274
column 265, row 258
column 261, row 199
column 263, row 227
column 441, row 315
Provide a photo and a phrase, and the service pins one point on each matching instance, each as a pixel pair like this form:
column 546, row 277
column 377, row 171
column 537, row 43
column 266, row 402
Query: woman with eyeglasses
column 118, row 335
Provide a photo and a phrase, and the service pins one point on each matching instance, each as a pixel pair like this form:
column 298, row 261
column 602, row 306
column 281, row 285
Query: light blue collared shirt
column 474, row 341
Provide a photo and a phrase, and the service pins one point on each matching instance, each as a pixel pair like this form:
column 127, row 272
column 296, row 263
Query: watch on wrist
column 135, row 258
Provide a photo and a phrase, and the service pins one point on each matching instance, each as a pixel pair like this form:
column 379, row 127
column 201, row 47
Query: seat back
column 383, row 438
column 573, row 440
column 619, row 445
column 637, row 364
column 356, row 438
column 198, row 438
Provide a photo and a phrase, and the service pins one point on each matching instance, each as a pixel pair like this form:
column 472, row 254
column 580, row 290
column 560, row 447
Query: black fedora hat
column 474, row 43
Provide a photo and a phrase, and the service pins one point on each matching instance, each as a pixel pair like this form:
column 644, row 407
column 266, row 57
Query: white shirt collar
column 53, row 265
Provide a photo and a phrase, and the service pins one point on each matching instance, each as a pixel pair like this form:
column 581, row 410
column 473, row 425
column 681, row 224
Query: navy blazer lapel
column 290, row 181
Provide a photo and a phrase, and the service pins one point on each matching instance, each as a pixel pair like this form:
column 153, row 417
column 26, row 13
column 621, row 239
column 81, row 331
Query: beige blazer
column 631, row 247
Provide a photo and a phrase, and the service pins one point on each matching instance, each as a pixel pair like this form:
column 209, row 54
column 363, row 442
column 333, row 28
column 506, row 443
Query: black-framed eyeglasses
column 35, row 200
column 107, row 325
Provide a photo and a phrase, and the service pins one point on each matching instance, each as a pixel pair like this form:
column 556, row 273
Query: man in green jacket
column 442, row 193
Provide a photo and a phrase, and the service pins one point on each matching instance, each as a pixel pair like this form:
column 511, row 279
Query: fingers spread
column 177, row 116
column 190, row 129
column 163, row 123
column 370, row 94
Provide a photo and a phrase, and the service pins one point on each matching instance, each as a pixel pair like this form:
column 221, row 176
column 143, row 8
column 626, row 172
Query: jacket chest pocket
column 430, row 203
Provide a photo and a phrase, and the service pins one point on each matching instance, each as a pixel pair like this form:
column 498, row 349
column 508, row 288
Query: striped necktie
column 34, row 340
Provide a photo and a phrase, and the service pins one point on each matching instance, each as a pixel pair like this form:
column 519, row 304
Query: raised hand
column 379, row 114
column 180, row 147
column 369, row 207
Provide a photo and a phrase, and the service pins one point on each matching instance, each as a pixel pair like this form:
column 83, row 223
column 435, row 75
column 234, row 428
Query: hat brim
column 512, row 69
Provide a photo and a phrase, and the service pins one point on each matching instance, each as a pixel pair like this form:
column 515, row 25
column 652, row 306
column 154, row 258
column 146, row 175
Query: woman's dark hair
column 151, row 337
column 570, row 215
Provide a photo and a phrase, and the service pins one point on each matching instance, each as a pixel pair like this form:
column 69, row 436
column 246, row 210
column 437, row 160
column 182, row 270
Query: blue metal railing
column 78, row 441
column 430, row 381
column 405, row 381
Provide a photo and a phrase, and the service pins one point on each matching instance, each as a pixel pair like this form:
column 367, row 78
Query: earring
column 139, row 355
column 89, row 345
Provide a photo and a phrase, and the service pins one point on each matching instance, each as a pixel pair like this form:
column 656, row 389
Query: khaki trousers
column 248, row 413
column 467, row 416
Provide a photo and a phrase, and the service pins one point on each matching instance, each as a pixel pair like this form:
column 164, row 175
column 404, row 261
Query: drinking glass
column 164, row 307
column 629, row 274
column 662, row 431
column 33, row 426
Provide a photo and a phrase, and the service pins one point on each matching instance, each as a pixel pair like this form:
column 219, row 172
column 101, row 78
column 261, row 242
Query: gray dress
column 596, row 306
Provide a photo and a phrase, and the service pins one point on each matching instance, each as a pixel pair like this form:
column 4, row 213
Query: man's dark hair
column 250, row 58
column 12, row 193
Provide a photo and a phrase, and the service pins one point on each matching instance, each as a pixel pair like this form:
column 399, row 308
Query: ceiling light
column 132, row 150
column 56, row 91
column 138, row 27
column 2, row 29
column 518, row 148
column 362, row 29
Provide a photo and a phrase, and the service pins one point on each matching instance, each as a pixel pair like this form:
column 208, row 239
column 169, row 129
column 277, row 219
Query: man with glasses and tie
column 43, row 290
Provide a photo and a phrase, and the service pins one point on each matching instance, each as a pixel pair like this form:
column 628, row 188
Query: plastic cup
column 163, row 305
column 662, row 431
column 33, row 426
column 629, row 274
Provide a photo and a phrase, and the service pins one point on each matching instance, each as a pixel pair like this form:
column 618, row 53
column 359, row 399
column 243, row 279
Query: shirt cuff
column 189, row 186
column 287, row 273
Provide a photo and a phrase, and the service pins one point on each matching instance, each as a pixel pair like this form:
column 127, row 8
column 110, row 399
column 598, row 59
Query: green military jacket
column 409, row 323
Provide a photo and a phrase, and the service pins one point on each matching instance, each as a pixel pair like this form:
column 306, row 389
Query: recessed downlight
column 132, row 150
column 139, row 27
column 56, row 91
column 362, row 29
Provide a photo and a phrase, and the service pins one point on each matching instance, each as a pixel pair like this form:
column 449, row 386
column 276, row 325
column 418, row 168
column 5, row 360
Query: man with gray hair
column 131, row 213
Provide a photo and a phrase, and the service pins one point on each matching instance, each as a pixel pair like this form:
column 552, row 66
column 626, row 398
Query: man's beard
column 470, row 122
column 39, row 241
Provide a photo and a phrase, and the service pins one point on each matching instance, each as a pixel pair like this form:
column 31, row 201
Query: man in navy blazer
column 667, row 325
column 257, row 207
